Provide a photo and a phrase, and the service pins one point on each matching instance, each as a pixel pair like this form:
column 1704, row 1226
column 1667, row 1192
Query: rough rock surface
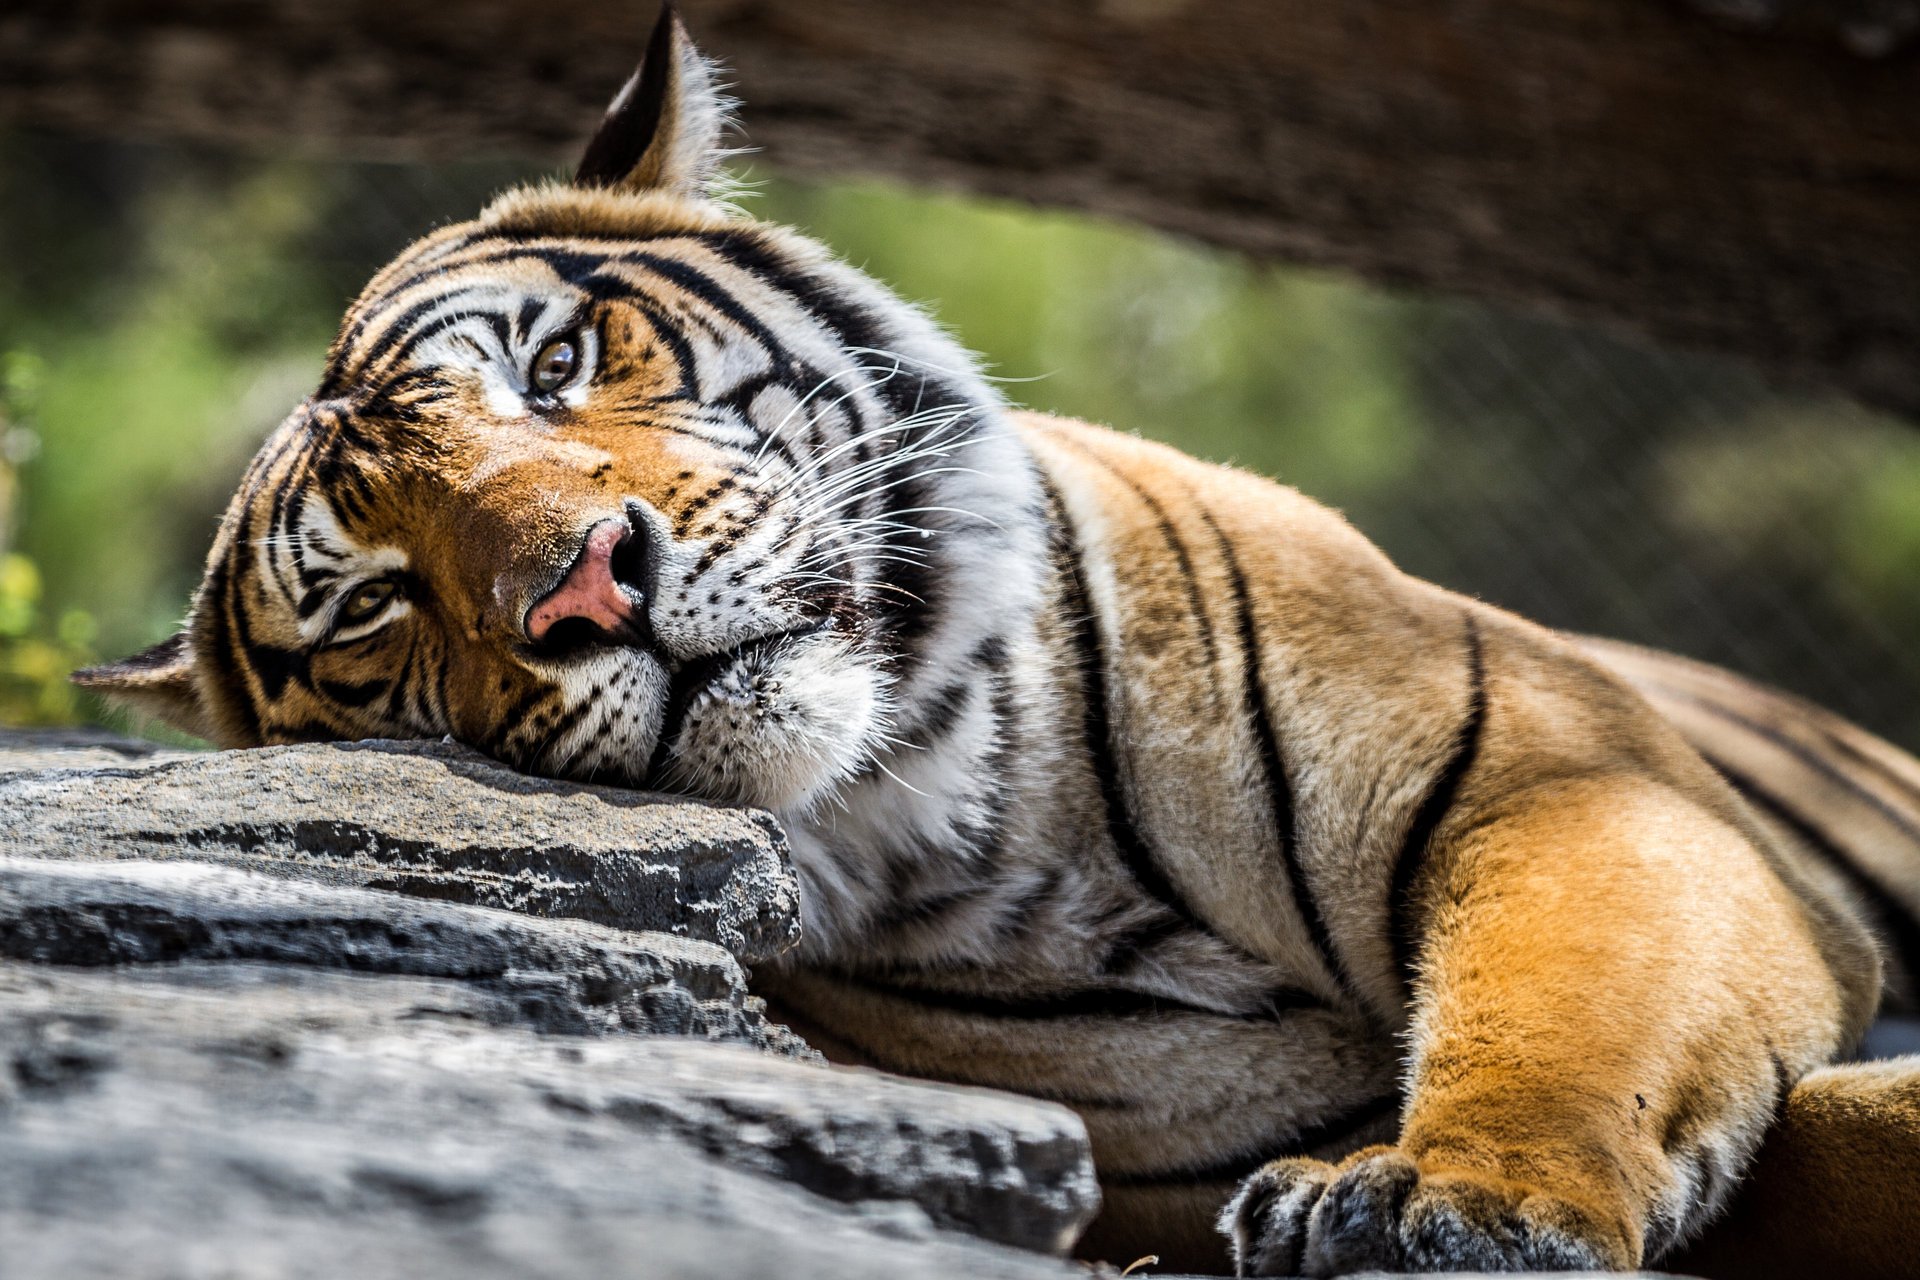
column 224, row 1108
column 270, row 1068
column 23, row 750
column 556, row 976
column 431, row 819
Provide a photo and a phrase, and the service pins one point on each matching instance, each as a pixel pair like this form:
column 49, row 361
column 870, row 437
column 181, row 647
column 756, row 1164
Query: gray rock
column 1002, row 1167
column 250, row 1119
column 556, row 976
column 76, row 748
column 430, row 819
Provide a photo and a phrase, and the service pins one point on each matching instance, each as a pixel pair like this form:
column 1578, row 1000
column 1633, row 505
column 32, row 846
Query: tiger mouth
column 691, row 679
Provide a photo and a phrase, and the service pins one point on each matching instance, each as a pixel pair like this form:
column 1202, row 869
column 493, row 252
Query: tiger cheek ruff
column 1354, row 916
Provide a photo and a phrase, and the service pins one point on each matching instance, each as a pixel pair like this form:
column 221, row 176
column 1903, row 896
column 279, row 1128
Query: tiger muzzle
column 602, row 597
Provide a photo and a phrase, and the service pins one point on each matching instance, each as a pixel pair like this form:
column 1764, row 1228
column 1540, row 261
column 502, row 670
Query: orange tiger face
column 610, row 483
column 524, row 510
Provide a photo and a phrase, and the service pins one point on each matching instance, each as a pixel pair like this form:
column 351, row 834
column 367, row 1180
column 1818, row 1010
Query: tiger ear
column 662, row 132
column 157, row 682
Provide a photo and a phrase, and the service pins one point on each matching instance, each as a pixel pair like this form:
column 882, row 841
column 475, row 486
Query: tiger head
column 612, row 483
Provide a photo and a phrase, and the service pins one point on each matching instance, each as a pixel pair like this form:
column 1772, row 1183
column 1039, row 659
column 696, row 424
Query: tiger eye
column 367, row 601
column 554, row 366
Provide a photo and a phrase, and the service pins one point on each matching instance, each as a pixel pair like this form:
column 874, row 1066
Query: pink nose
column 589, row 592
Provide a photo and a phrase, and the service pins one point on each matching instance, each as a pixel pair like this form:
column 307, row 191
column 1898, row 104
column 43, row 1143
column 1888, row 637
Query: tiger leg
column 1613, row 991
column 1835, row 1188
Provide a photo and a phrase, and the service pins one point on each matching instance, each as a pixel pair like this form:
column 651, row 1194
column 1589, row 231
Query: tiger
column 1365, row 924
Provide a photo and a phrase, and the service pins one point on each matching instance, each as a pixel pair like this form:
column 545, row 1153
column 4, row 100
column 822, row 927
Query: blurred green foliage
column 172, row 305
column 36, row 650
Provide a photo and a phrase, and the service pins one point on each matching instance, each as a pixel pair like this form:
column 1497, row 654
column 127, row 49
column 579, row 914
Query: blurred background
column 163, row 306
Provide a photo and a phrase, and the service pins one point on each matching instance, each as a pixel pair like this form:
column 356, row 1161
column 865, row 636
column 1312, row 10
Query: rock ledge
column 431, row 819
column 230, row 1042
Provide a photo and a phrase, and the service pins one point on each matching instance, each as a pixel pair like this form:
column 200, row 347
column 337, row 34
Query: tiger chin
column 1367, row 926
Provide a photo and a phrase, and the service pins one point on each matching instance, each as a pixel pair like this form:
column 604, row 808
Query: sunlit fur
column 1112, row 777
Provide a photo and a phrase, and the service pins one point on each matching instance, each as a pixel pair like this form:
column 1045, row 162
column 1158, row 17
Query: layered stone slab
column 430, row 819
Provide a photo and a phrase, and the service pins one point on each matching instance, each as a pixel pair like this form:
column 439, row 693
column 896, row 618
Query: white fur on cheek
column 781, row 729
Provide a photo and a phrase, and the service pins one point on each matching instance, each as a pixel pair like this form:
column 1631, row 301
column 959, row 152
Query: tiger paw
column 1380, row 1211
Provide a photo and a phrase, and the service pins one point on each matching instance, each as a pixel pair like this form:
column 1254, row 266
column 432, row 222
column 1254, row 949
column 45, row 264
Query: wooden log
column 1732, row 175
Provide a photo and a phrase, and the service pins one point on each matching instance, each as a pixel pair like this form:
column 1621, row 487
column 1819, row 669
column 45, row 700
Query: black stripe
column 1439, row 800
column 351, row 354
column 442, row 674
column 693, row 678
column 1138, row 939
column 348, row 354
column 1091, row 652
column 1800, row 751
column 1195, row 604
column 495, row 321
column 883, row 1054
column 407, row 332
column 1021, row 913
column 413, row 671
column 908, row 913
column 910, row 589
column 798, row 381
column 293, row 484
column 569, row 719
column 1232, row 1169
column 753, row 252
column 686, row 367
column 396, row 699
column 915, row 389
column 1896, row 920
column 224, row 595
column 350, row 693
column 513, row 719
column 530, row 310
column 1100, row 1002
column 400, row 397
column 1107, row 1003
column 271, row 666
column 938, row 714
column 698, row 284
column 973, row 842
column 1272, row 765
column 1873, row 766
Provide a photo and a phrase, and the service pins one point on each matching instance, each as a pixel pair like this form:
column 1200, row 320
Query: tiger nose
column 592, row 593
